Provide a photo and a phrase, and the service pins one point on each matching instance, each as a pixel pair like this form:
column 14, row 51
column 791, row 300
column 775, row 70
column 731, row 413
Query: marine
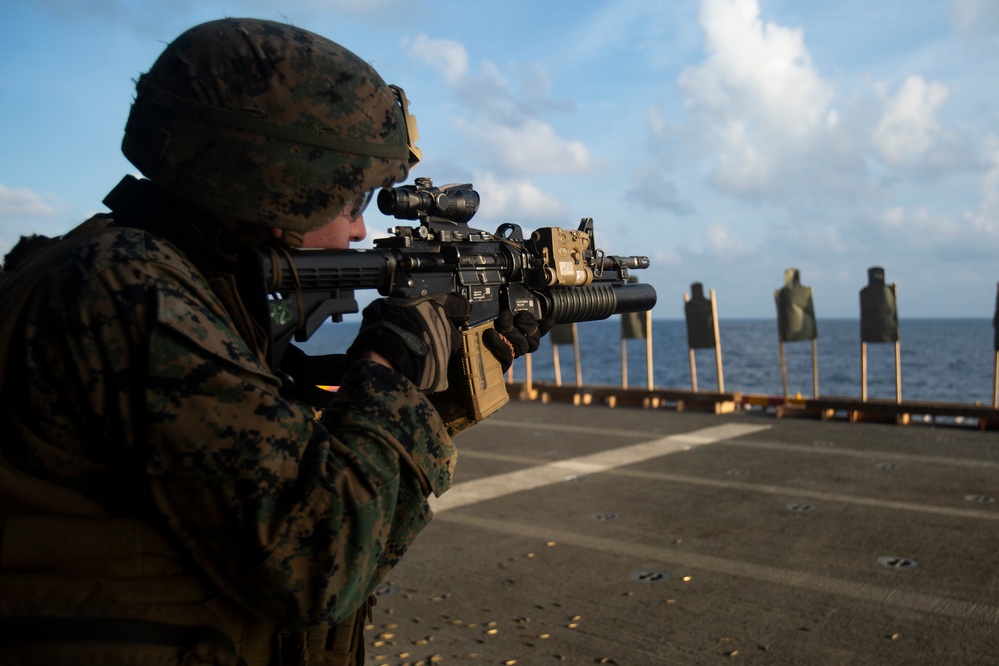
column 166, row 497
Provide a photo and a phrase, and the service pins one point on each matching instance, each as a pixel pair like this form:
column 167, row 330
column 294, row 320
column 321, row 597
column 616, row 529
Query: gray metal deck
column 589, row 535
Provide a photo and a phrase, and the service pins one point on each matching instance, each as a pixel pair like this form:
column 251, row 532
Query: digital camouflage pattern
column 267, row 123
column 134, row 390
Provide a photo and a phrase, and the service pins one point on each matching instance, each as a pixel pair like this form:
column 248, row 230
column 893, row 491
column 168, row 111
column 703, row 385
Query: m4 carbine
column 555, row 273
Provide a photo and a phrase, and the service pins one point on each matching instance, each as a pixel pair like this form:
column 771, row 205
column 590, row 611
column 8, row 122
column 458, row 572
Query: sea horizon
column 943, row 359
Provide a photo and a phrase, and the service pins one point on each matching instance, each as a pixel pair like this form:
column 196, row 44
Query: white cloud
column 916, row 230
column 762, row 65
column 917, row 222
column 516, row 200
column 666, row 256
column 758, row 94
column 444, row 55
column 721, row 244
column 893, row 217
column 530, row 147
column 909, row 128
column 975, row 17
column 765, row 119
column 23, row 201
column 651, row 187
column 502, row 120
column 743, row 164
column 656, row 121
column 986, row 218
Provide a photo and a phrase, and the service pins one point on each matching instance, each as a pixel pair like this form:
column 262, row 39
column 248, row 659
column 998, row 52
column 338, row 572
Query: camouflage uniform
column 136, row 392
column 161, row 501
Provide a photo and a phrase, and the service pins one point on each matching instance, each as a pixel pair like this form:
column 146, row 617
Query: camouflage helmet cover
column 267, row 123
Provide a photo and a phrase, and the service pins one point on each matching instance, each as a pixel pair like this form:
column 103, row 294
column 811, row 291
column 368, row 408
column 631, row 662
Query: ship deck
column 590, row 535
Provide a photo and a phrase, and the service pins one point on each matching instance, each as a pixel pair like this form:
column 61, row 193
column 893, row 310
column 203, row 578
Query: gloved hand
column 515, row 335
column 417, row 336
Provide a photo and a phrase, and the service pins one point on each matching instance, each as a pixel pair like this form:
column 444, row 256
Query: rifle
column 555, row 273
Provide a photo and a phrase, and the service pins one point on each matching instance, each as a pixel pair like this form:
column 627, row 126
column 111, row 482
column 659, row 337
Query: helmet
column 268, row 123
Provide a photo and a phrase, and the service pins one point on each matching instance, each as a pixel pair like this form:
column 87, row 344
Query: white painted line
column 685, row 559
column 800, row 493
column 881, row 455
column 501, row 485
column 878, row 454
column 492, row 422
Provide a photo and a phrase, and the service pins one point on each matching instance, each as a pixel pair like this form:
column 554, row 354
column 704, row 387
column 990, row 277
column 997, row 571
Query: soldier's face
column 338, row 234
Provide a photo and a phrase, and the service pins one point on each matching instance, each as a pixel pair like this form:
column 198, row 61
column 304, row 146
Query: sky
column 727, row 140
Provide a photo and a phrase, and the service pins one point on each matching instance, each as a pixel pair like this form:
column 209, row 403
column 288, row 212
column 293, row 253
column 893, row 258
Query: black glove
column 515, row 335
column 417, row 336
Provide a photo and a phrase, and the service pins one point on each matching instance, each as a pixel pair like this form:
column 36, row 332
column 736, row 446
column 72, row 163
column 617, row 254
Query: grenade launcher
column 556, row 273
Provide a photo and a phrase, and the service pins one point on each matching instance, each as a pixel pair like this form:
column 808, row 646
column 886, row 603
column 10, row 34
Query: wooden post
column 863, row 371
column 898, row 372
column 648, row 348
column 995, row 384
column 693, row 370
column 624, row 363
column 529, row 382
column 556, row 365
column 783, row 368
column 898, row 355
column 815, row 368
column 575, row 355
column 815, row 357
column 718, row 353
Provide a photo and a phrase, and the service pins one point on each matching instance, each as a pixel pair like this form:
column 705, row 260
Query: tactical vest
column 79, row 586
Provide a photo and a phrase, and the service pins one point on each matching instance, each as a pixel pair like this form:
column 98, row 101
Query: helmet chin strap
column 292, row 239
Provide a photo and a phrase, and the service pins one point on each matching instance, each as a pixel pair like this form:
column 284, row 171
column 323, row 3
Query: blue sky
column 726, row 139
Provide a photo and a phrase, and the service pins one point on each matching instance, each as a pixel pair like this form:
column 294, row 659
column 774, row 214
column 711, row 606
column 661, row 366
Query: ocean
column 942, row 360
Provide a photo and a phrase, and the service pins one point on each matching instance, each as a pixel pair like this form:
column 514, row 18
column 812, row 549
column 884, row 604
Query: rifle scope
column 455, row 203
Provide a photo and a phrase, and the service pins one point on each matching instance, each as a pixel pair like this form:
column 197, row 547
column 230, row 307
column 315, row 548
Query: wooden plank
column 854, row 409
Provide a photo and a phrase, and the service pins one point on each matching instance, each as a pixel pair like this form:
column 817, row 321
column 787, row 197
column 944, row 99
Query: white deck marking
column 880, row 454
column 500, row 485
column 871, row 454
column 685, row 559
column 614, row 462
column 768, row 489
